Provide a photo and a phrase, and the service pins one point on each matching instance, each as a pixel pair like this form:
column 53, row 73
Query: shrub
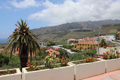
column 6, row 59
column 63, row 61
column 3, row 59
column 91, row 53
column 42, row 54
column 111, row 55
column 32, row 67
column 50, row 43
column 50, row 61
column 68, row 46
column 90, row 59
column 63, row 53
column 76, row 50
column 76, row 56
column 14, row 61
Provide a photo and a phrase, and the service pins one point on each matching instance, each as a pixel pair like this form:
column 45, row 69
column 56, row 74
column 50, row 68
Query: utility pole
column 98, row 39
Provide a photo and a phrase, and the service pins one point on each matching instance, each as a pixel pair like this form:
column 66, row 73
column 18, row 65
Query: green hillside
column 63, row 36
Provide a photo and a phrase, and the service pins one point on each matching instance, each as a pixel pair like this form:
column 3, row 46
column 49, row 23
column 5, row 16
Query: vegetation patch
column 7, row 72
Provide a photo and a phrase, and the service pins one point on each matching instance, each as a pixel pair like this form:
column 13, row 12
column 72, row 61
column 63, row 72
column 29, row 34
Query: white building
column 108, row 37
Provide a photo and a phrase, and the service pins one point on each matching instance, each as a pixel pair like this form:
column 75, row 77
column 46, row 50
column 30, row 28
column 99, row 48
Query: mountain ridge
column 52, row 33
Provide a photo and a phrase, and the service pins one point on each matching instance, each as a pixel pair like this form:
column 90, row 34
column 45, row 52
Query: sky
column 41, row 13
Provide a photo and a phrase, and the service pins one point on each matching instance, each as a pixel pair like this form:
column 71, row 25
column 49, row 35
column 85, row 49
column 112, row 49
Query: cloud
column 25, row 4
column 79, row 10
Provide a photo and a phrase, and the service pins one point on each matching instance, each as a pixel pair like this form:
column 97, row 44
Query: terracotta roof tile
column 51, row 51
column 1, row 50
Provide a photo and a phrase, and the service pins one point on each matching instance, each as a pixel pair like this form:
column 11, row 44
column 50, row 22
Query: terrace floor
column 115, row 75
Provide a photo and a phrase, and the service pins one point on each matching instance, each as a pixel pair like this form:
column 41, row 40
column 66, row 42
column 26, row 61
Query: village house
column 1, row 50
column 42, row 44
column 72, row 41
column 51, row 51
column 88, row 39
column 107, row 37
column 118, row 36
column 54, row 48
column 88, row 45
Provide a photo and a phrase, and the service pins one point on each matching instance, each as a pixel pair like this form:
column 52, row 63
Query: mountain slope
column 68, row 30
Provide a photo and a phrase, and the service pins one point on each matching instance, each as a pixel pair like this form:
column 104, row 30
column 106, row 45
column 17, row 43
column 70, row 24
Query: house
column 51, row 51
column 72, row 41
column 118, row 36
column 90, row 38
column 54, row 48
column 1, row 50
column 17, row 53
column 88, row 45
column 108, row 37
column 81, row 40
column 41, row 43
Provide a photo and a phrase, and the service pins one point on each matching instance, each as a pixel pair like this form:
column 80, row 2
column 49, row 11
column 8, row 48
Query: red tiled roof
column 17, row 52
column 51, row 51
column 88, row 38
column 55, row 48
column 89, row 42
column 1, row 50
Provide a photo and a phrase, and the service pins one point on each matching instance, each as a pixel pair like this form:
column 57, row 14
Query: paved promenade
column 115, row 75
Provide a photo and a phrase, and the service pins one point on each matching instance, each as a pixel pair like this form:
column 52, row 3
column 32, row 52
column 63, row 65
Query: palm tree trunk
column 23, row 58
column 30, row 57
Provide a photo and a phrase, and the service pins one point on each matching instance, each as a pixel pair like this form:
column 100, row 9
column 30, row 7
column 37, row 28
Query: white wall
column 89, row 69
column 62, row 73
column 108, row 37
column 16, row 76
column 112, row 65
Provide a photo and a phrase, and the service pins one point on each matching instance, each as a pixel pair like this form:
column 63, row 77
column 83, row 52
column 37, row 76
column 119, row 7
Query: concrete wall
column 16, row 76
column 112, row 65
column 89, row 69
column 62, row 73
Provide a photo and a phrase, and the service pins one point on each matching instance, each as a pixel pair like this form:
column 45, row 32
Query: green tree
column 68, row 46
column 50, row 43
column 42, row 53
column 91, row 53
column 63, row 53
column 4, row 59
column 24, row 41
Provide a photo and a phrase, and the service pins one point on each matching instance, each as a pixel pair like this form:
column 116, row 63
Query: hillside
column 71, row 30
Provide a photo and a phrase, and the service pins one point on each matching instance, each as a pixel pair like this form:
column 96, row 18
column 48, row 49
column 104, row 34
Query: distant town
column 24, row 54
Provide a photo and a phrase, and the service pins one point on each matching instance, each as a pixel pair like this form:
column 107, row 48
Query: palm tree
column 24, row 41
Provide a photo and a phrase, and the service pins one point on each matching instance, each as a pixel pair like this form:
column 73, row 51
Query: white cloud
column 25, row 4
column 79, row 10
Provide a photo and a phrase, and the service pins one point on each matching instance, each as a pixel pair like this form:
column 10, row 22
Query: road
column 68, row 50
